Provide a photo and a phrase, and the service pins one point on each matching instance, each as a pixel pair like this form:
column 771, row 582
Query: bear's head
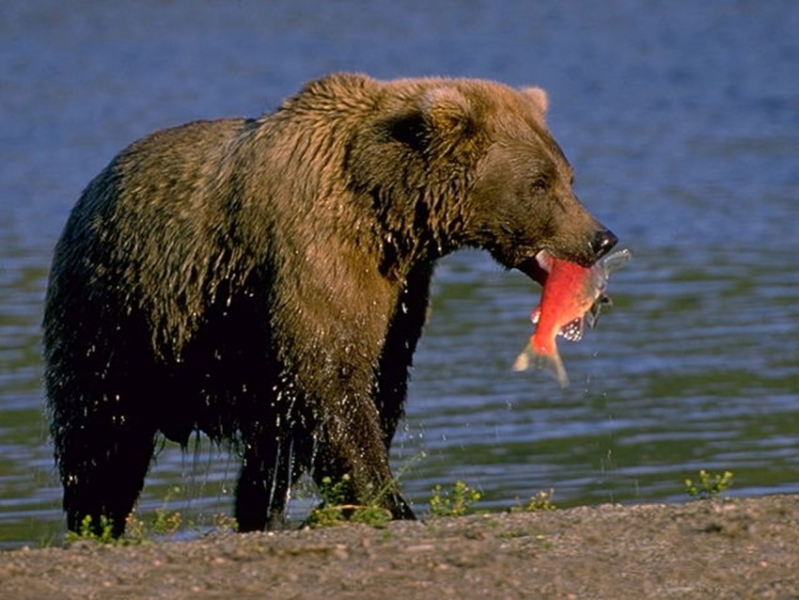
column 451, row 163
column 520, row 201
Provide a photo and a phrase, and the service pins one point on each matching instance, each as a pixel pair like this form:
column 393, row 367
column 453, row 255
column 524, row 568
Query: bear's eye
column 539, row 185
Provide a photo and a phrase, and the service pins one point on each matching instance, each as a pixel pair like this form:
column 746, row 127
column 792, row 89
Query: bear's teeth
column 544, row 260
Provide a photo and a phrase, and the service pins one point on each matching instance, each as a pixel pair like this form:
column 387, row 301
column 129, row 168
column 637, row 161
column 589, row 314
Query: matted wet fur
column 266, row 280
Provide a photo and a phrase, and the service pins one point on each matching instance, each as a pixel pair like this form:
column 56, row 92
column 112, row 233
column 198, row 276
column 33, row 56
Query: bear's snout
column 602, row 242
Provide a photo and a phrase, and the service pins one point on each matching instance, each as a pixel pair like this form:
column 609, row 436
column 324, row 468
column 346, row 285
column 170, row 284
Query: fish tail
column 553, row 364
column 549, row 362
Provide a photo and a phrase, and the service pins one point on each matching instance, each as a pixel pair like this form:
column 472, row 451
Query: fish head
column 573, row 294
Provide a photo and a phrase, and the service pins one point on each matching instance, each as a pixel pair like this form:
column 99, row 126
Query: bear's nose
column 602, row 242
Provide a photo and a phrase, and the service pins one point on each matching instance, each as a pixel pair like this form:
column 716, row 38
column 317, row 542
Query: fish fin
column 592, row 316
column 573, row 330
column 522, row 362
column 546, row 362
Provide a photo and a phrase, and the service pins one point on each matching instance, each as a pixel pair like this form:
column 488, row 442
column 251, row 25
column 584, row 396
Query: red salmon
column 572, row 294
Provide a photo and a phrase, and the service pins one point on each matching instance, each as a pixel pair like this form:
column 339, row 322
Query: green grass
column 708, row 485
column 455, row 502
column 163, row 523
column 335, row 510
column 87, row 532
column 540, row 502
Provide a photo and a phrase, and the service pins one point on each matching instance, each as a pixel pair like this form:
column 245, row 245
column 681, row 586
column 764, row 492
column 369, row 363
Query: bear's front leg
column 351, row 452
column 330, row 323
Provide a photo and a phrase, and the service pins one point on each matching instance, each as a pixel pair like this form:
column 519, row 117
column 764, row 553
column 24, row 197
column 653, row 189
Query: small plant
column 166, row 522
column 335, row 508
column 542, row 501
column 325, row 516
column 372, row 515
column 334, row 494
column 708, row 486
column 224, row 523
column 87, row 532
column 458, row 501
column 135, row 529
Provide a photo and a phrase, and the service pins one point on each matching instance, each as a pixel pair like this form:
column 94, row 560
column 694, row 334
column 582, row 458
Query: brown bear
column 266, row 281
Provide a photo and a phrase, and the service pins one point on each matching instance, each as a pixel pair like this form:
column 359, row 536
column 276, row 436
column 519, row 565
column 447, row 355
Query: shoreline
column 739, row 548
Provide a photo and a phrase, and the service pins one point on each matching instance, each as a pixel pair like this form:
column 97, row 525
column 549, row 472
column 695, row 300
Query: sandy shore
column 736, row 549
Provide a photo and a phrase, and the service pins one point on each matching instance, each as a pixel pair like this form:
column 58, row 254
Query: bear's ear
column 446, row 109
column 442, row 113
column 539, row 97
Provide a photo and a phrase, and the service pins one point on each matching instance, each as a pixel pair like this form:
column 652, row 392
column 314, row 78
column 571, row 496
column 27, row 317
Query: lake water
column 682, row 122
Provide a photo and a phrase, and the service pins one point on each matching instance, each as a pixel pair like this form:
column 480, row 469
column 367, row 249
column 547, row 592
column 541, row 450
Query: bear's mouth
column 537, row 267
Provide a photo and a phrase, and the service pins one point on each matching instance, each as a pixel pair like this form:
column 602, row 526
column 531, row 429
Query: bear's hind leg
column 103, row 466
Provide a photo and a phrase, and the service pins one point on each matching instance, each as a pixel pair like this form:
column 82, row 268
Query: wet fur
column 266, row 281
